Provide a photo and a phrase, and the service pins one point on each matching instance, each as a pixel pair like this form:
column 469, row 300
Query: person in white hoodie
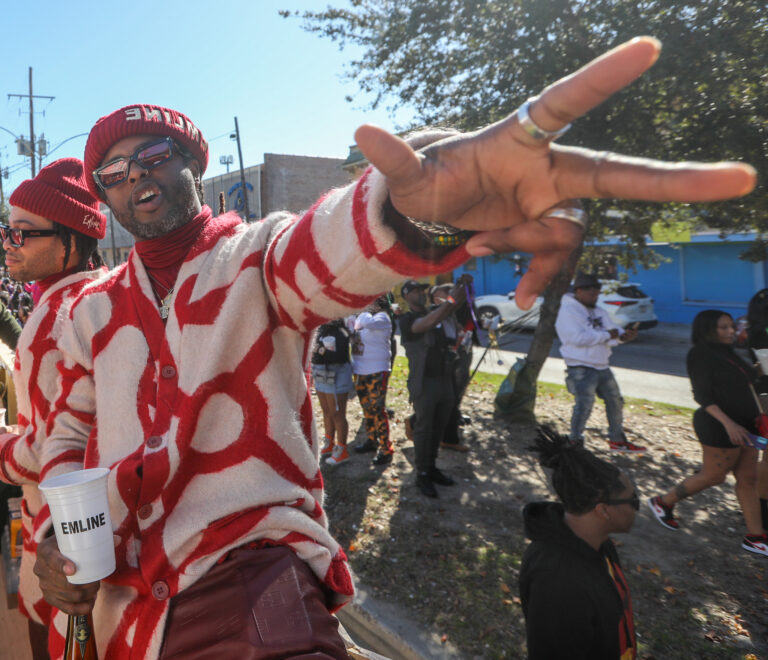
column 587, row 336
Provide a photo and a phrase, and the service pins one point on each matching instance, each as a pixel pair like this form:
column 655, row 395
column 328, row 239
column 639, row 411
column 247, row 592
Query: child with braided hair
column 574, row 594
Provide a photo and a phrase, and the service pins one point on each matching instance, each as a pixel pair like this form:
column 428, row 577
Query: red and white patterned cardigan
column 35, row 377
column 206, row 421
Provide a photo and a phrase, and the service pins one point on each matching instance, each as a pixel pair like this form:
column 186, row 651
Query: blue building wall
column 705, row 273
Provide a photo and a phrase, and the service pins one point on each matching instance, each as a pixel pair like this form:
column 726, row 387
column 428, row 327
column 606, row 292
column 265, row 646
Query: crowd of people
column 182, row 371
column 357, row 353
column 16, row 303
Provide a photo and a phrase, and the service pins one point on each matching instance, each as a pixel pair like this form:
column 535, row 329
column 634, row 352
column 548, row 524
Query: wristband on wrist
column 451, row 300
column 424, row 234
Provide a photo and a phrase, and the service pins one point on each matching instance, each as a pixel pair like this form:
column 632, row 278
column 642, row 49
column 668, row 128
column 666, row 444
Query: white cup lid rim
column 71, row 478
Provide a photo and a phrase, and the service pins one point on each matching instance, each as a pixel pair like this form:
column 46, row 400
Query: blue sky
column 212, row 60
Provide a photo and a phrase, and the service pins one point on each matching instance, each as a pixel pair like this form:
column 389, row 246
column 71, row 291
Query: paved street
column 651, row 367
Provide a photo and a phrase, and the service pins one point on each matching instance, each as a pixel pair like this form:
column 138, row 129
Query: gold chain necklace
column 165, row 303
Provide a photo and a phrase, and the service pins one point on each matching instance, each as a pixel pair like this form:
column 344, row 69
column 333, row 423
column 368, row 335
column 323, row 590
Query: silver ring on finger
column 572, row 214
column 532, row 128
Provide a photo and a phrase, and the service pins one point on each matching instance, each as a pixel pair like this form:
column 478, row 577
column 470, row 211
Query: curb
column 379, row 627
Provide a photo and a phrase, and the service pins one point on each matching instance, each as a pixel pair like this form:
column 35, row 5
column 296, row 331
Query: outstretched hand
column 501, row 182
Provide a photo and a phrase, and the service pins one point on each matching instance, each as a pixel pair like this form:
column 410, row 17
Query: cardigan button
column 145, row 511
column 160, row 590
column 168, row 371
column 154, row 441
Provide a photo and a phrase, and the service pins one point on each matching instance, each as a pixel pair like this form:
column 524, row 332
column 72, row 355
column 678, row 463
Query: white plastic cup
column 762, row 358
column 80, row 513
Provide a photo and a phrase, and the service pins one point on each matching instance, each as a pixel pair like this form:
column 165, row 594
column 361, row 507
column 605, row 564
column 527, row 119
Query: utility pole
column 242, row 174
column 31, row 98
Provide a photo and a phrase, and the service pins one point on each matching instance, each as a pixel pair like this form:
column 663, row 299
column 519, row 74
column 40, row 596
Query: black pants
column 433, row 408
column 461, row 380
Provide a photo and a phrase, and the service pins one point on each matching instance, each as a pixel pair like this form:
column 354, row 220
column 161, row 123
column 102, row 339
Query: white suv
column 625, row 303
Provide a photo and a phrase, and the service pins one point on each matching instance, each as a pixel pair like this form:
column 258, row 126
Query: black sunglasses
column 149, row 157
column 16, row 237
column 634, row 501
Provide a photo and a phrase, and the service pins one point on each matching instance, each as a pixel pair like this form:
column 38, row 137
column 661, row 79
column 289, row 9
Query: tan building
column 116, row 245
column 282, row 183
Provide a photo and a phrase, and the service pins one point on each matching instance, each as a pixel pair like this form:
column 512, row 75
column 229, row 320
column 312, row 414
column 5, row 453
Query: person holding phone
column 587, row 336
column 721, row 383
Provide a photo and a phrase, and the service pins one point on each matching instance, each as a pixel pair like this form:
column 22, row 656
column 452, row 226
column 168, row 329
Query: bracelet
column 441, row 234
column 420, row 235
column 451, row 300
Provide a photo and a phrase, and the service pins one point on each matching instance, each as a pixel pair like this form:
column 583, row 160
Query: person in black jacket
column 430, row 379
column 723, row 386
column 575, row 597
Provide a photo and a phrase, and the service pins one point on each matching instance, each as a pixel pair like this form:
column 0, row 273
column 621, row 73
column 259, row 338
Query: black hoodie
column 573, row 607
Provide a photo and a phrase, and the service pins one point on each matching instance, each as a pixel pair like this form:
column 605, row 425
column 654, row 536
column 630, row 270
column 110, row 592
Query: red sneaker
column 626, row 447
column 663, row 513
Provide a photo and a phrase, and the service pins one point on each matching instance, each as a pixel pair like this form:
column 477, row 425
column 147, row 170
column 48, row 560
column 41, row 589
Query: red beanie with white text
column 142, row 119
column 60, row 194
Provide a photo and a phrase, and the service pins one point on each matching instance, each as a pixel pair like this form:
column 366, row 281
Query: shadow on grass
column 452, row 564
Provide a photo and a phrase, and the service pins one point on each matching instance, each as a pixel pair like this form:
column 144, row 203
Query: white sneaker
column 338, row 456
column 327, row 448
column 756, row 543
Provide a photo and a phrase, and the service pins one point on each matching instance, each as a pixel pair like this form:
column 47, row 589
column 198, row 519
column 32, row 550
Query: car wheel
column 485, row 314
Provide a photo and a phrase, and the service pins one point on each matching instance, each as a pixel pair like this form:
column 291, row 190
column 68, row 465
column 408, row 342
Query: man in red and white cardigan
column 57, row 200
column 204, row 417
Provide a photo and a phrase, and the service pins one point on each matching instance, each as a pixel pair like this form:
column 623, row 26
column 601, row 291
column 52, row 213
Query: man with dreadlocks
column 574, row 594
column 54, row 229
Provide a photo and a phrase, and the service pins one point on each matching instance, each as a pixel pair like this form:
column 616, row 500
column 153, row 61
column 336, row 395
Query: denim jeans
column 584, row 383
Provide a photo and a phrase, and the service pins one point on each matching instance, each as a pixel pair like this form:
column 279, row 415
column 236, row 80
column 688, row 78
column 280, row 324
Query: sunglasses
column 149, row 157
column 634, row 501
column 16, row 237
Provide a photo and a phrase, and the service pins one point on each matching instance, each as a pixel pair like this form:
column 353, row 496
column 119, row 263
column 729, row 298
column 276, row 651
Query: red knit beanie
column 60, row 194
column 141, row 120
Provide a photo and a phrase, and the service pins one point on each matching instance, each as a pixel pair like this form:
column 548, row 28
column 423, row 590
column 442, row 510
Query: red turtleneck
column 163, row 256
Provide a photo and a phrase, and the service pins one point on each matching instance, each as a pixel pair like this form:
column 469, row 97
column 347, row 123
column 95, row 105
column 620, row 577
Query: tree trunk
column 516, row 398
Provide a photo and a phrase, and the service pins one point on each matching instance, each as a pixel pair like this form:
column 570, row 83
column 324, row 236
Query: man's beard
column 182, row 207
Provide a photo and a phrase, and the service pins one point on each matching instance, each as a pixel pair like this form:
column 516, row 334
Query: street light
column 226, row 160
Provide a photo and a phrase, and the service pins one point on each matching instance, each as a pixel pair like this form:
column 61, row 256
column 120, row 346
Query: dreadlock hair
column 580, row 479
column 87, row 247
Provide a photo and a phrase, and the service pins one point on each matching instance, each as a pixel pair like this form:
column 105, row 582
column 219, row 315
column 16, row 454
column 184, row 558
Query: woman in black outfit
column 722, row 385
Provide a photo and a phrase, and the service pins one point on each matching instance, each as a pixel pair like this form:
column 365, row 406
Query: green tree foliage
column 466, row 63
